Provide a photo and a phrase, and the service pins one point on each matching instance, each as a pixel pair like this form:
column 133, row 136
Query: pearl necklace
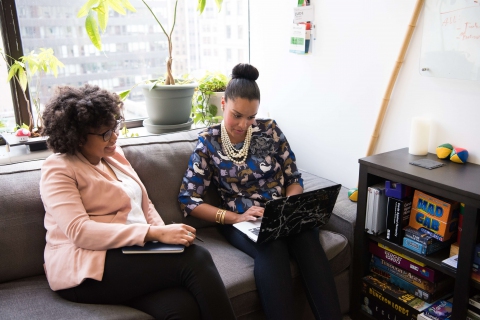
column 237, row 156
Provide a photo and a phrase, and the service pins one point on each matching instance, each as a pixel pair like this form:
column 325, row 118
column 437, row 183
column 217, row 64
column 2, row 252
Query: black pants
column 167, row 286
column 273, row 275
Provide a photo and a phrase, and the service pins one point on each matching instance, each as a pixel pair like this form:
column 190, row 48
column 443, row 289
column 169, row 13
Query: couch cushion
column 236, row 267
column 32, row 298
column 22, row 234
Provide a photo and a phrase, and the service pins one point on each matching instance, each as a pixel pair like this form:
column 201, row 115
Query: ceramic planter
column 169, row 105
column 216, row 100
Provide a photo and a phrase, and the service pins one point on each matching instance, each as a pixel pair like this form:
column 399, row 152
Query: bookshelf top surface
column 462, row 179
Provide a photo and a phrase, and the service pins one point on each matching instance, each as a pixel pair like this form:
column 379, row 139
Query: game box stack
column 408, row 274
column 383, row 300
column 423, row 243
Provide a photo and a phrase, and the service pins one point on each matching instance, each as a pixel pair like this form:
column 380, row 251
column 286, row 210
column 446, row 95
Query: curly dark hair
column 74, row 112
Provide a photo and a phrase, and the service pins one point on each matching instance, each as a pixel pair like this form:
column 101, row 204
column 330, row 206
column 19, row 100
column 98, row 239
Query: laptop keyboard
column 255, row 231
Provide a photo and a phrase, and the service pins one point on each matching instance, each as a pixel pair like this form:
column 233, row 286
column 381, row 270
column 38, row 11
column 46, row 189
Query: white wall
column 327, row 102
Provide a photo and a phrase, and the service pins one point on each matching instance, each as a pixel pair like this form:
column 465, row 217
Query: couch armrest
column 344, row 214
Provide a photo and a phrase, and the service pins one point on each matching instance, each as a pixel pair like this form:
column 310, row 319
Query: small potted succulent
column 206, row 102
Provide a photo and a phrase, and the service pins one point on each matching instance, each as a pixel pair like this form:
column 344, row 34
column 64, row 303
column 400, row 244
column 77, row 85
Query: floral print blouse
column 268, row 170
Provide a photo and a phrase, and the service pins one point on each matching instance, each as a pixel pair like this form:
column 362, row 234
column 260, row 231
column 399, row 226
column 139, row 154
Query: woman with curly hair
column 250, row 162
column 95, row 204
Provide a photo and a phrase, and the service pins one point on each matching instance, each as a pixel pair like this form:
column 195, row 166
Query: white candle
column 419, row 135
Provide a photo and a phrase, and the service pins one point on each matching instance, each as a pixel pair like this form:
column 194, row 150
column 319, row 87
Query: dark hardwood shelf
column 459, row 182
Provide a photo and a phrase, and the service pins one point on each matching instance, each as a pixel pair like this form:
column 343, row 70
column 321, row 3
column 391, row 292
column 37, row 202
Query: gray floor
column 346, row 318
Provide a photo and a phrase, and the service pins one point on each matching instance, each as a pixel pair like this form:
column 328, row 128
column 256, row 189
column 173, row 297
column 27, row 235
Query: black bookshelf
column 460, row 182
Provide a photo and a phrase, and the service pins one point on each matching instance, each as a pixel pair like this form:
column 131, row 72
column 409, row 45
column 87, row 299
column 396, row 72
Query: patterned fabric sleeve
column 286, row 158
column 196, row 179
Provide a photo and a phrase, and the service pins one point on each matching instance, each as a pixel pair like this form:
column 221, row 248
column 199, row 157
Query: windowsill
column 21, row 153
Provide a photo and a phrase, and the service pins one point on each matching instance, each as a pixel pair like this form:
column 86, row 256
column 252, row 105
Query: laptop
column 290, row 215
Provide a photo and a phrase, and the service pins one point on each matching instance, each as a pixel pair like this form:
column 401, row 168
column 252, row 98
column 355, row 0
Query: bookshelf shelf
column 452, row 181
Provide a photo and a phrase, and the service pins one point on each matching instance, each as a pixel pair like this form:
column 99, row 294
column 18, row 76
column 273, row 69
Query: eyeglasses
column 108, row 134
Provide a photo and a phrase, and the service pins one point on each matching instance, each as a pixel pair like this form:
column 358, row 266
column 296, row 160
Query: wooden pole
column 393, row 77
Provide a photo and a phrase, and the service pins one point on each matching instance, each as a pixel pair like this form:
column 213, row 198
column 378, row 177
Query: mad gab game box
column 439, row 216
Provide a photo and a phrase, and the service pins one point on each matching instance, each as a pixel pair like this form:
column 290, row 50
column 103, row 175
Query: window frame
column 12, row 45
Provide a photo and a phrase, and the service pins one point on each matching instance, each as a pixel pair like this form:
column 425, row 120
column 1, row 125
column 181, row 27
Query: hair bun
column 245, row 71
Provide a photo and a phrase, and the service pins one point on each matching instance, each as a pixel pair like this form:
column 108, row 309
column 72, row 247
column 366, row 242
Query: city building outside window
column 134, row 47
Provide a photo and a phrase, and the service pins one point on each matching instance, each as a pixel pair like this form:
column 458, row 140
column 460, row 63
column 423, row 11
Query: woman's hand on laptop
column 251, row 214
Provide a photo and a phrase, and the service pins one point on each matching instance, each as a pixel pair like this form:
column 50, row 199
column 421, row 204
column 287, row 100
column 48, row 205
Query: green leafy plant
column 202, row 109
column 126, row 133
column 97, row 12
column 23, row 126
column 44, row 61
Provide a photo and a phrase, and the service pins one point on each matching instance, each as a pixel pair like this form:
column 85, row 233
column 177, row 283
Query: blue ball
column 459, row 155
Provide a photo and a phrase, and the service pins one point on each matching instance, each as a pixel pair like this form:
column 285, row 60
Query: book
column 433, row 234
column 424, row 249
column 381, row 245
column 418, row 236
column 406, row 305
column 472, row 315
column 474, row 303
column 476, row 254
column 398, row 215
column 421, row 288
column 440, row 310
column 375, row 219
column 380, row 309
column 422, row 271
column 440, row 216
column 154, row 247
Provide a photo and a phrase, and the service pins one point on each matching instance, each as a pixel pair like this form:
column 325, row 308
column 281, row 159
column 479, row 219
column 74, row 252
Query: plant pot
column 169, row 105
column 36, row 145
column 216, row 100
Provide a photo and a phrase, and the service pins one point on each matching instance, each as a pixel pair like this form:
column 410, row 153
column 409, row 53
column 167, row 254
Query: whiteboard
column 451, row 39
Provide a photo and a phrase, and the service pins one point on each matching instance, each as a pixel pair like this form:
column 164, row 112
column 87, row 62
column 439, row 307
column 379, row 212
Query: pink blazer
column 86, row 211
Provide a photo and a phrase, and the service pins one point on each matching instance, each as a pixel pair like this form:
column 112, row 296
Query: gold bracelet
column 220, row 216
column 223, row 216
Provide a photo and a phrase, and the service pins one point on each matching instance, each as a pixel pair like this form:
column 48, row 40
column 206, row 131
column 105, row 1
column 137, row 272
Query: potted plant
column 168, row 102
column 42, row 62
column 206, row 102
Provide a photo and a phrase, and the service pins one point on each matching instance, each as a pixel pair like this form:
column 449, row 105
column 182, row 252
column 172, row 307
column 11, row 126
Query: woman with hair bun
column 250, row 162
column 95, row 204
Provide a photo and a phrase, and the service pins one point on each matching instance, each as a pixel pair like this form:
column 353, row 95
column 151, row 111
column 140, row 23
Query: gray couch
column 160, row 162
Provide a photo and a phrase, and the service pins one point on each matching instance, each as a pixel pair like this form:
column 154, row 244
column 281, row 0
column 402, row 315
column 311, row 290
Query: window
column 229, row 54
column 134, row 47
column 7, row 115
column 228, row 32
